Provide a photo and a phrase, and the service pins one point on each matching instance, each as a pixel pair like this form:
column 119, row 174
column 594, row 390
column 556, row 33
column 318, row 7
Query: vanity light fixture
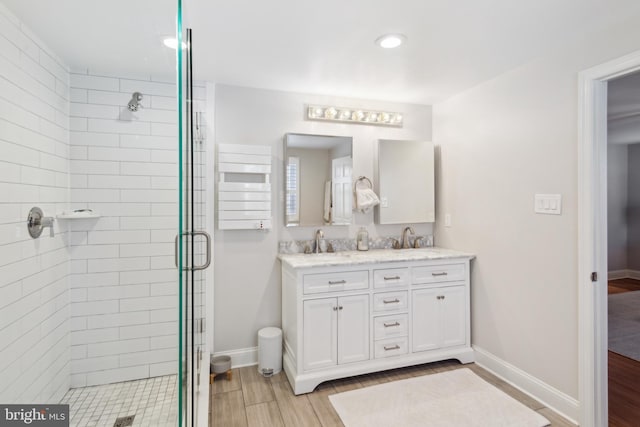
column 353, row 115
column 391, row 41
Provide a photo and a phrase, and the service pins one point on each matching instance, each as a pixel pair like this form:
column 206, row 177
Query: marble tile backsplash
column 339, row 245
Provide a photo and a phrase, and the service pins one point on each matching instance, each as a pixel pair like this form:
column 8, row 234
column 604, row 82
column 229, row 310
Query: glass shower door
column 193, row 244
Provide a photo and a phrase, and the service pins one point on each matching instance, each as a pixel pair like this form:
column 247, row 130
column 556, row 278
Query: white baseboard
column 617, row 274
column 241, row 357
column 624, row 274
column 551, row 397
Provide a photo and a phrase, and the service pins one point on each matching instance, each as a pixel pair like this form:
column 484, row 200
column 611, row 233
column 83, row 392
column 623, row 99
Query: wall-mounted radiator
column 244, row 187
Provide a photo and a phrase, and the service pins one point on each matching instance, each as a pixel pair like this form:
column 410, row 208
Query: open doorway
column 592, row 236
column 623, row 248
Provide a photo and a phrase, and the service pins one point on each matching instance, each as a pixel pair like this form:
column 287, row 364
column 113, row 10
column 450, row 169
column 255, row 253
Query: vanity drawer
column 334, row 282
column 391, row 278
column 391, row 347
column 395, row 325
column 388, row 301
column 438, row 273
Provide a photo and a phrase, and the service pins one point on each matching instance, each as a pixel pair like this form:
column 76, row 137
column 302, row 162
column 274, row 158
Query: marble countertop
column 347, row 258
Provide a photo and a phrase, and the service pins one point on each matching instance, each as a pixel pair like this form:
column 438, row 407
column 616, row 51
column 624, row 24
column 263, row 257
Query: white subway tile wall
column 124, row 284
column 35, row 352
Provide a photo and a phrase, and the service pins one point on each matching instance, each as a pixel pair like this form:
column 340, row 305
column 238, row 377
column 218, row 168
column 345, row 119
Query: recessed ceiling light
column 172, row 43
column 390, row 41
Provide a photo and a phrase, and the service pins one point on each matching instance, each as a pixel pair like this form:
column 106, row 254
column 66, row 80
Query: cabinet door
column 425, row 316
column 320, row 333
column 453, row 315
column 353, row 328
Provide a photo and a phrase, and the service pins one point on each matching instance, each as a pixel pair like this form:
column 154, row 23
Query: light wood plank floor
column 250, row 400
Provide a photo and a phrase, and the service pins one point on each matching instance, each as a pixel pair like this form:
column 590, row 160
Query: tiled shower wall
column 124, row 165
column 34, row 171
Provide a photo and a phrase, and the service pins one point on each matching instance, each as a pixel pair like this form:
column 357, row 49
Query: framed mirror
column 406, row 182
column 317, row 180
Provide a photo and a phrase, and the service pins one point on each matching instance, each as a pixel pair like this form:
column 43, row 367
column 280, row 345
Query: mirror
column 406, row 182
column 317, row 180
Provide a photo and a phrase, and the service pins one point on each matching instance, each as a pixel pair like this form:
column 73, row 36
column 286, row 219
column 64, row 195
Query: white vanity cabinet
column 439, row 317
column 335, row 331
column 353, row 313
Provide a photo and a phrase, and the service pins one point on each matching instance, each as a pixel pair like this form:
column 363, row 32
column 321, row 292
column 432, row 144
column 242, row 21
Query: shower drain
column 124, row 421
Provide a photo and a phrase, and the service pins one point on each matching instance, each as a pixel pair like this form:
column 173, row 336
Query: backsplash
column 340, row 245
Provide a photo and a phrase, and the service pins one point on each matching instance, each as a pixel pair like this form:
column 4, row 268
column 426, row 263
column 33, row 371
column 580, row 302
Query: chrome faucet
column 405, row 237
column 319, row 236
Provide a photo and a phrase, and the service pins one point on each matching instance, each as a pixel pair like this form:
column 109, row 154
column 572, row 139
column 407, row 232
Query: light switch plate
column 447, row 220
column 548, row 204
column 384, row 202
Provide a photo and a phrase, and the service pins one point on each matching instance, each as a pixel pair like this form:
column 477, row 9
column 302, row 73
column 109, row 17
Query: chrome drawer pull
column 444, row 273
column 392, row 278
column 388, row 325
column 395, row 347
column 393, row 301
column 337, row 282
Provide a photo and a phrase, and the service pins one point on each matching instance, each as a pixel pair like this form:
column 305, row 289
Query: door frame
column 592, row 235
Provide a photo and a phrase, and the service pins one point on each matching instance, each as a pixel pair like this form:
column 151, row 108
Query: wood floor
column 623, row 285
column 253, row 401
column 624, row 375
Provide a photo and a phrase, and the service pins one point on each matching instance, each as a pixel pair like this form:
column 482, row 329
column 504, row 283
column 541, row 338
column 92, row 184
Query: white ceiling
column 322, row 47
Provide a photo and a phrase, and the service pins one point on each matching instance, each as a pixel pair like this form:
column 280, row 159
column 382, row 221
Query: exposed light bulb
column 330, row 113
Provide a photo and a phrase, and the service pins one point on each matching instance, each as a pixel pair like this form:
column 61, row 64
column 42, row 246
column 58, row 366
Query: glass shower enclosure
column 104, row 252
column 193, row 243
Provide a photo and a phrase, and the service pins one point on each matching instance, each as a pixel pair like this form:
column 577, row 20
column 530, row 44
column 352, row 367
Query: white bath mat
column 456, row 398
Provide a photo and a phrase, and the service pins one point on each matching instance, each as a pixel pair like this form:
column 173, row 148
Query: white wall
column 502, row 142
column 633, row 208
column 623, row 106
column 34, row 171
column 124, row 289
column 617, row 177
column 247, row 273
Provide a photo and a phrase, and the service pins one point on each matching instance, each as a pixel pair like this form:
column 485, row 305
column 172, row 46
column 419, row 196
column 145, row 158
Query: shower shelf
column 78, row 215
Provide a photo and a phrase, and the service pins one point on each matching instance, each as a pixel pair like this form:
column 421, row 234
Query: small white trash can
column 269, row 351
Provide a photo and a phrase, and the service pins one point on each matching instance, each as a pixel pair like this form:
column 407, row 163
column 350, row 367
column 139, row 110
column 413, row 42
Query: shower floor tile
column 153, row 401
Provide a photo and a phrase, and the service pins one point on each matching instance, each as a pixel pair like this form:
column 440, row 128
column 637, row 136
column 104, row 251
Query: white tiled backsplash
column 34, row 171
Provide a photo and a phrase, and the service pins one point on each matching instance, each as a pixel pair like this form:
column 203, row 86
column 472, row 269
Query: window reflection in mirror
column 317, row 180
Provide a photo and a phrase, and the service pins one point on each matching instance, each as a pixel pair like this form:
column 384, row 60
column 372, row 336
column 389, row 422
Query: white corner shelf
column 78, row 215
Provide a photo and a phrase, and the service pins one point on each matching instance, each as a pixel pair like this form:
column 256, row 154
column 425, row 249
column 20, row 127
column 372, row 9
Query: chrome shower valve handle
column 36, row 222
